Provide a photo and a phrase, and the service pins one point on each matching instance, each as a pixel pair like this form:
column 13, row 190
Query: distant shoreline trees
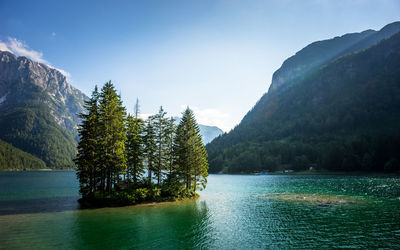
column 123, row 159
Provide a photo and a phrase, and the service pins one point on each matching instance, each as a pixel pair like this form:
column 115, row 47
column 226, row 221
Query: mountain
column 12, row 158
column 334, row 105
column 39, row 115
column 20, row 74
column 38, row 110
column 208, row 133
column 310, row 59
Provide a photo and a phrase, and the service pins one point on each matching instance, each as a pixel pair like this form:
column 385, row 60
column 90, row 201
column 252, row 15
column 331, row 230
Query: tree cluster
column 124, row 159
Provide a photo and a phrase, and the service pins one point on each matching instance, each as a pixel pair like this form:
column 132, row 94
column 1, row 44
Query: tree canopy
column 116, row 150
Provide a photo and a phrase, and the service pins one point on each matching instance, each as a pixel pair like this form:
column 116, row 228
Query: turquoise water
column 39, row 210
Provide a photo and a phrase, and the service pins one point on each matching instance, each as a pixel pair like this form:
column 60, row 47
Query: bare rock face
column 18, row 75
column 208, row 133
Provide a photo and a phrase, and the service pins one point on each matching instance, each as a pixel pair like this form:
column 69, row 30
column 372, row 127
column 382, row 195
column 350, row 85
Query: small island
column 124, row 160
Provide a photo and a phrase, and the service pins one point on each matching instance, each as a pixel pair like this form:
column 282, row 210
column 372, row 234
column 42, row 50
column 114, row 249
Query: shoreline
column 308, row 172
column 87, row 204
column 37, row 170
column 351, row 173
column 304, row 172
column 161, row 203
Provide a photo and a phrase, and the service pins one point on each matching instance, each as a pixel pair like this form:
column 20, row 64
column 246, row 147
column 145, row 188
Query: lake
column 39, row 210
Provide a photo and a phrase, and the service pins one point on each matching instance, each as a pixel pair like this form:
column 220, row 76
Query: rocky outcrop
column 19, row 74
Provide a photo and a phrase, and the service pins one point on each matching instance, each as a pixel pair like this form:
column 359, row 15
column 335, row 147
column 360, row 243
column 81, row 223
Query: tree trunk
column 108, row 182
column 195, row 183
column 134, row 174
column 149, row 176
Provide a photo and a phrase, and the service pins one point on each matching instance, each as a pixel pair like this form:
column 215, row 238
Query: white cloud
column 211, row 117
column 4, row 47
column 20, row 48
column 144, row 116
column 65, row 73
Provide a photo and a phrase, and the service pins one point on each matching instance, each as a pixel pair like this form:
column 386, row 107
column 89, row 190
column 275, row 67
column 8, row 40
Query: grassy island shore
column 122, row 199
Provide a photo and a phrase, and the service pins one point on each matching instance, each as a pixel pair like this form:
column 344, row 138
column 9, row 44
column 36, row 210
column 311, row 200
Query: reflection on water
column 234, row 212
column 41, row 205
column 182, row 225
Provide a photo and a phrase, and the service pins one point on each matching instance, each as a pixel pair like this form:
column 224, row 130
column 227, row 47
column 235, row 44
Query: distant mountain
column 334, row 105
column 38, row 110
column 208, row 133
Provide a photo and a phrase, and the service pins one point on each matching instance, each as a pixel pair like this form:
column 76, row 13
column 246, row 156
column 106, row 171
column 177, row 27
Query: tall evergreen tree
column 200, row 166
column 112, row 136
column 87, row 158
column 173, row 184
column 161, row 139
column 111, row 145
column 190, row 154
column 170, row 137
column 135, row 147
column 150, row 147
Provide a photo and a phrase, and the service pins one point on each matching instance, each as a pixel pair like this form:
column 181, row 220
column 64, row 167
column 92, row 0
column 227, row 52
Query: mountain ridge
column 39, row 110
column 367, row 39
column 313, row 119
column 332, row 48
column 22, row 70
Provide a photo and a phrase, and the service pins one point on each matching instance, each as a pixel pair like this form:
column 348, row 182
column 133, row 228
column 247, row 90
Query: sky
column 215, row 56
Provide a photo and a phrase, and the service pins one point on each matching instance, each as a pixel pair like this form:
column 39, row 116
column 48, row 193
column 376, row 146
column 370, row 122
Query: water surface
column 39, row 210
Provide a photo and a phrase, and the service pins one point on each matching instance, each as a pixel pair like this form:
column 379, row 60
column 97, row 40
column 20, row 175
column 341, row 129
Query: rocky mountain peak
column 18, row 73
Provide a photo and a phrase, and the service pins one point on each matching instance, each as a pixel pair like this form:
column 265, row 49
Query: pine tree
column 150, row 147
column 190, row 154
column 87, row 158
column 170, row 137
column 111, row 145
column 172, row 183
column 200, row 166
column 161, row 139
column 112, row 136
column 134, row 147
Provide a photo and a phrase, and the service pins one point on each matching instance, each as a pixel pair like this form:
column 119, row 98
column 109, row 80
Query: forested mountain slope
column 314, row 56
column 343, row 116
column 38, row 110
column 12, row 158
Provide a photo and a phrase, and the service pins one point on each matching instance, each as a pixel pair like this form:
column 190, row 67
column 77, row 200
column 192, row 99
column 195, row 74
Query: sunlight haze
column 217, row 57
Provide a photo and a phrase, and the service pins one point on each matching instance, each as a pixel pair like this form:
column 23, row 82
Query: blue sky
column 216, row 56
